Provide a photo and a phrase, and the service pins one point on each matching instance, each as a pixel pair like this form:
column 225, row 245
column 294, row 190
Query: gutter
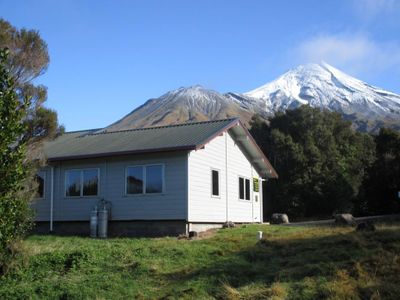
column 51, row 197
column 226, row 176
column 121, row 153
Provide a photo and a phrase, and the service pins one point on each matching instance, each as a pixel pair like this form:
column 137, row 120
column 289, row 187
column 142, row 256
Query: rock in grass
column 228, row 224
column 366, row 226
column 345, row 219
column 182, row 236
column 193, row 234
column 279, row 219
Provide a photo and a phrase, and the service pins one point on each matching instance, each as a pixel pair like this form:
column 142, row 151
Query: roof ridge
column 83, row 130
column 164, row 126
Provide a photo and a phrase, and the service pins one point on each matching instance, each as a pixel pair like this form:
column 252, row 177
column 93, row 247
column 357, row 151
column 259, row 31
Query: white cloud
column 370, row 9
column 355, row 53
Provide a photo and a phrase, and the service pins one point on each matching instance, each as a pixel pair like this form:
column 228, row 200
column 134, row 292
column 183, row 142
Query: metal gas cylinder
column 102, row 227
column 93, row 222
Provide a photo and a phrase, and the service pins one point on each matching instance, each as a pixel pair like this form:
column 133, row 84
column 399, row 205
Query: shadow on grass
column 343, row 265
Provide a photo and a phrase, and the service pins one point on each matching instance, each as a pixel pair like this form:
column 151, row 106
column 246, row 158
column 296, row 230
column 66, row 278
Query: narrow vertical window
column 247, row 188
column 241, row 188
column 215, row 182
column 244, row 188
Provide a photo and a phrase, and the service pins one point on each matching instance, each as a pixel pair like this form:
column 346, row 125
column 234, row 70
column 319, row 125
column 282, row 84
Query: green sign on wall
column 256, row 186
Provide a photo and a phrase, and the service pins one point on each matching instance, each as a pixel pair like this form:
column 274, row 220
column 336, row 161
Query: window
column 244, row 188
column 144, row 179
column 82, row 183
column 73, row 184
column 90, row 182
column 241, row 188
column 134, row 180
column 40, row 178
column 214, row 183
column 154, row 181
column 247, row 188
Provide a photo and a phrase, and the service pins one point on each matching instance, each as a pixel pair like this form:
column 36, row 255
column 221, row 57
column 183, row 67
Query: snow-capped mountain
column 193, row 103
column 317, row 85
column 321, row 85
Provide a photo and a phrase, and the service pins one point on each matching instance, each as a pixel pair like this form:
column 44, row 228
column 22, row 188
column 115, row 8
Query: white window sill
column 245, row 201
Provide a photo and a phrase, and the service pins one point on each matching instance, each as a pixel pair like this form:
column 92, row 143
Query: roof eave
column 121, row 153
column 271, row 173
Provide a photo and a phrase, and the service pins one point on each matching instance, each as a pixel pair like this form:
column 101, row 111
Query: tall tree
column 14, row 167
column 28, row 59
column 381, row 187
column 320, row 160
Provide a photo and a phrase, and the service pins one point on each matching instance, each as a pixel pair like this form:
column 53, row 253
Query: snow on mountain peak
column 193, row 93
column 321, row 85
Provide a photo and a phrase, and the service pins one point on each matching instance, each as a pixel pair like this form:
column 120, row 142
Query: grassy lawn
column 291, row 263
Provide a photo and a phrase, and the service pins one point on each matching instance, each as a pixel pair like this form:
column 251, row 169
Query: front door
column 256, row 207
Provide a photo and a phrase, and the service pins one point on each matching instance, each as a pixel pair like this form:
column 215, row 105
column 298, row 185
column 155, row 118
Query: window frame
column 44, row 185
column 81, row 170
column 219, row 183
column 143, row 166
column 244, row 189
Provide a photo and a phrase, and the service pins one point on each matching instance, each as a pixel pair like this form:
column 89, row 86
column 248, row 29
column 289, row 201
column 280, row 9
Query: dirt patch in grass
column 200, row 235
column 207, row 234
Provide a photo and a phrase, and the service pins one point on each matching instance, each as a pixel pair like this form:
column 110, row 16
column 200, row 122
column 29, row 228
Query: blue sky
column 108, row 57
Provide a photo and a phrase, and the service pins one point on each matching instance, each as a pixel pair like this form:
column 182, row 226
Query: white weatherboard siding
column 222, row 154
column 170, row 205
column 202, row 206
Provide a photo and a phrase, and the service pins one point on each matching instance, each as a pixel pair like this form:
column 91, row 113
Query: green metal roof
column 99, row 143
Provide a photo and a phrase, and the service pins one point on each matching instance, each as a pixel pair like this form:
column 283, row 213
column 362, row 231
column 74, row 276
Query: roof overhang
column 121, row 153
column 244, row 139
column 238, row 131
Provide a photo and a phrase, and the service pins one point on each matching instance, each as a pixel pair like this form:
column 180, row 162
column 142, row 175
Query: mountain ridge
column 185, row 104
column 317, row 85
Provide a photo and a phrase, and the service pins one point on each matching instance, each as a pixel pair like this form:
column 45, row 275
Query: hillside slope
column 290, row 263
column 189, row 104
column 317, row 85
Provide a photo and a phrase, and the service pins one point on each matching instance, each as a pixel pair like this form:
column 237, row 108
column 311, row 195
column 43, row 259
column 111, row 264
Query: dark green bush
column 14, row 168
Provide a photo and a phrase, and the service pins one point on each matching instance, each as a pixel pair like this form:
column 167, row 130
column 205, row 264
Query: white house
column 158, row 180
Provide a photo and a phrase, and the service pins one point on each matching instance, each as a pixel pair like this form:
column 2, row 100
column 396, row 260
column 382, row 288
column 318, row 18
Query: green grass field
column 291, row 263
